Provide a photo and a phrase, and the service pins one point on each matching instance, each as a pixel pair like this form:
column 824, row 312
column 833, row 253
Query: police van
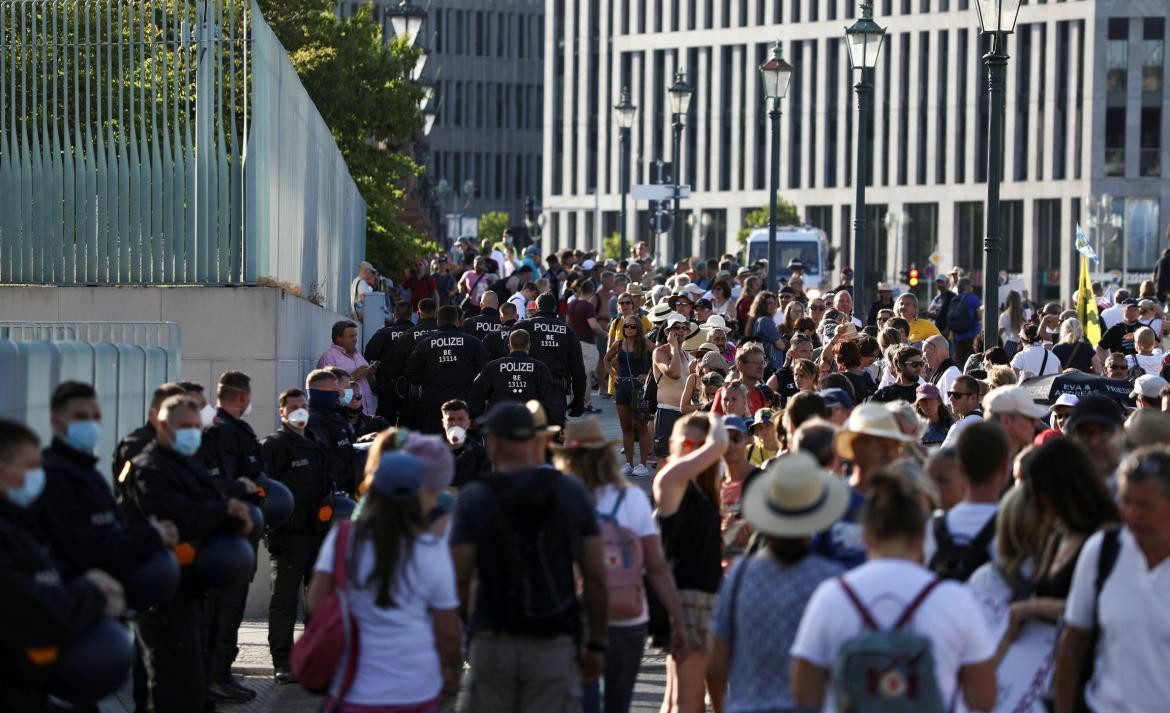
column 806, row 243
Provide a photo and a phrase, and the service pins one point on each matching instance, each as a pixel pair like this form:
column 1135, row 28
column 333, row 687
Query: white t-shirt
column 947, row 382
column 957, row 428
column 964, row 521
column 1032, row 359
column 636, row 514
column 521, row 305
column 398, row 663
column 1130, row 673
column 949, row 617
column 1151, row 364
column 1111, row 316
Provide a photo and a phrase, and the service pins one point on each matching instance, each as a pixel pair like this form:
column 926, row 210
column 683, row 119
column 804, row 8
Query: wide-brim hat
column 584, row 433
column 695, row 338
column 885, row 287
column 868, row 420
column 694, row 289
column 634, row 289
column 659, row 312
column 795, row 497
column 716, row 321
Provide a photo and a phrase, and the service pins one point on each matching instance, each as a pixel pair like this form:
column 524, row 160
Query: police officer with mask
column 382, row 348
column 444, row 365
column 557, row 347
column 327, row 427
column 43, row 608
column 302, row 464
column 231, row 455
column 410, row 413
column 496, row 343
column 138, row 439
column 488, row 319
column 166, row 482
column 516, row 377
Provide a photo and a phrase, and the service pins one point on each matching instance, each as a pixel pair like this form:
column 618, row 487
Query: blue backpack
column 887, row 670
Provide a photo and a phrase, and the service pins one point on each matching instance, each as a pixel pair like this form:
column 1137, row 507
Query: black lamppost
column 997, row 18
column 776, row 74
column 864, row 39
column 680, row 102
column 407, row 20
column 625, row 112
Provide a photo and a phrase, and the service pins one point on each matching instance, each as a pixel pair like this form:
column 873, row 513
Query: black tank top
column 692, row 543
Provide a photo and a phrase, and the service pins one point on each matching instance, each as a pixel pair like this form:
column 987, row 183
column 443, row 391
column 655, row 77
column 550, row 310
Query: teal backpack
column 887, row 670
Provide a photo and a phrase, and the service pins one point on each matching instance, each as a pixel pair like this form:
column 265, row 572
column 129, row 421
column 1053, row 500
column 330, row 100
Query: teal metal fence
column 165, row 142
column 125, row 362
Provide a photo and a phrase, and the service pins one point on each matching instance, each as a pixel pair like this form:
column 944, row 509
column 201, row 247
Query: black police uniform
column 363, row 424
column 485, row 323
column 516, row 377
column 329, row 429
column 496, row 343
column 558, row 348
column 129, row 447
column 42, row 610
column 383, row 347
column 174, row 487
column 409, row 414
column 302, row 464
column 229, row 451
column 444, row 364
column 471, row 462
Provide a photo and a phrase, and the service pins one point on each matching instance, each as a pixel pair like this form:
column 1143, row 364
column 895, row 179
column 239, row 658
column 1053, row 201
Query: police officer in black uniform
column 488, row 319
column 466, row 444
column 516, row 377
column 138, row 439
column 43, row 607
column 166, row 481
column 496, row 343
column 302, row 464
column 231, row 455
column 328, row 428
column 557, row 347
column 382, row 349
column 410, row 413
column 444, row 365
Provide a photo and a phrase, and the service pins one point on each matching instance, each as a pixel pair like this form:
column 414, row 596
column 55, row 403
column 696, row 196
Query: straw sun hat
column 795, row 497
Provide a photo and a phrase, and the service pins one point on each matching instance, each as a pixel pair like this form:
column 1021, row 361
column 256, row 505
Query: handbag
column 332, row 631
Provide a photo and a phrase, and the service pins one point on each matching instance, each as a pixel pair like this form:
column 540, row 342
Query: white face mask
column 298, row 418
column 456, row 435
column 207, row 414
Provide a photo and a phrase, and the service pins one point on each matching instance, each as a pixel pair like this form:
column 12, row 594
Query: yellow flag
column 1087, row 305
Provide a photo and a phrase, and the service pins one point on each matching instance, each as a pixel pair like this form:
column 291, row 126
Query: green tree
column 786, row 214
column 360, row 85
column 492, row 225
column 611, row 245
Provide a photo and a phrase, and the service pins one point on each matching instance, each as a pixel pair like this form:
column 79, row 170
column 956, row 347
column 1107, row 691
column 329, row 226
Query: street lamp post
column 997, row 18
column 625, row 112
column 864, row 39
column 680, row 102
column 776, row 74
column 407, row 20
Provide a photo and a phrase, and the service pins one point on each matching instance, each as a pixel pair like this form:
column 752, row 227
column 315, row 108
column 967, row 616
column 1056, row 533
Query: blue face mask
column 27, row 494
column 346, row 397
column 84, row 436
column 322, row 400
column 187, row 441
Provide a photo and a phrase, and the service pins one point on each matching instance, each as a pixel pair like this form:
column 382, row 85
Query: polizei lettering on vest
column 550, row 328
column 524, row 366
column 447, row 342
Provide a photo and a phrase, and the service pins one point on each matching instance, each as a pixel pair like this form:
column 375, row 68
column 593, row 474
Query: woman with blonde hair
column 1001, row 375
column 686, row 489
column 590, row 457
column 734, row 400
column 1148, row 356
column 793, row 313
column 1011, row 320
column 761, row 326
column 1072, row 349
column 702, row 385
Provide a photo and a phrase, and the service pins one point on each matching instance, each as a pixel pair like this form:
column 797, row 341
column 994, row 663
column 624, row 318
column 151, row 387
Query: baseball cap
column 1146, row 304
column 742, row 271
column 885, row 287
column 1148, row 386
column 1095, row 408
column 927, row 391
column 846, row 270
column 786, row 290
column 735, row 423
column 836, row 397
column 531, row 250
column 675, row 318
column 510, row 420
column 1128, row 302
column 1012, row 399
column 1064, row 400
column 588, row 265
column 398, row 475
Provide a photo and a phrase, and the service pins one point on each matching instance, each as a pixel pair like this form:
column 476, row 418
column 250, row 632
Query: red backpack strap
column 909, row 613
column 340, row 554
column 866, row 617
column 353, row 633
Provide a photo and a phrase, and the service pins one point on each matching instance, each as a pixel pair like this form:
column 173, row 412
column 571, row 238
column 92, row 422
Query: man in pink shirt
column 344, row 354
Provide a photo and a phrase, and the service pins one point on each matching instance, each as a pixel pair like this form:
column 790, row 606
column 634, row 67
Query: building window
column 795, row 112
column 903, row 108
column 1047, row 228
column 1060, row 107
column 1078, row 145
column 1153, row 45
column 1117, row 54
column 921, row 233
column 961, row 103
column 1151, row 141
column 833, row 95
column 1011, row 230
column 969, row 238
column 1115, row 141
column 1023, row 88
column 923, row 118
column 1141, row 235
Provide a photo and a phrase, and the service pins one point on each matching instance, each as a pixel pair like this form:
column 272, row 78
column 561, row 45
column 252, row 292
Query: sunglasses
column 960, row 394
column 356, row 397
column 917, row 363
column 625, row 302
column 817, row 308
column 1117, row 367
column 678, row 328
column 735, row 436
column 629, row 326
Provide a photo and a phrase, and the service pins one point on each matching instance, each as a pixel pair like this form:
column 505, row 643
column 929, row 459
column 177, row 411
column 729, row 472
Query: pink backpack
column 622, row 549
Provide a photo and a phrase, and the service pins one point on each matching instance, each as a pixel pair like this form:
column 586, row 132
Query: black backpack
column 959, row 318
column 954, row 561
column 534, row 593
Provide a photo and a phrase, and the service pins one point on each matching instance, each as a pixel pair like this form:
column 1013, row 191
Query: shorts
column 624, row 394
column 697, row 610
column 664, row 421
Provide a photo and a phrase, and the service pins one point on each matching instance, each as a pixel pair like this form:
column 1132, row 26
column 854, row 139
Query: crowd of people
column 806, row 509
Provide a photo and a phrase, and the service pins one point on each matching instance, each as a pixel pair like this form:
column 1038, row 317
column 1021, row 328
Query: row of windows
column 483, row 33
column 496, row 176
column 489, row 105
column 920, row 136
column 1148, row 37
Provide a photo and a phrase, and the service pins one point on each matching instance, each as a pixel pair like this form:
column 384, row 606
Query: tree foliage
column 786, row 214
column 361, row 87
column 611, row 246
column 493, row 224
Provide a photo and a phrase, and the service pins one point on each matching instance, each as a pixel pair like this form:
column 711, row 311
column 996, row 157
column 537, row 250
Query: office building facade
column 1087, row 116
